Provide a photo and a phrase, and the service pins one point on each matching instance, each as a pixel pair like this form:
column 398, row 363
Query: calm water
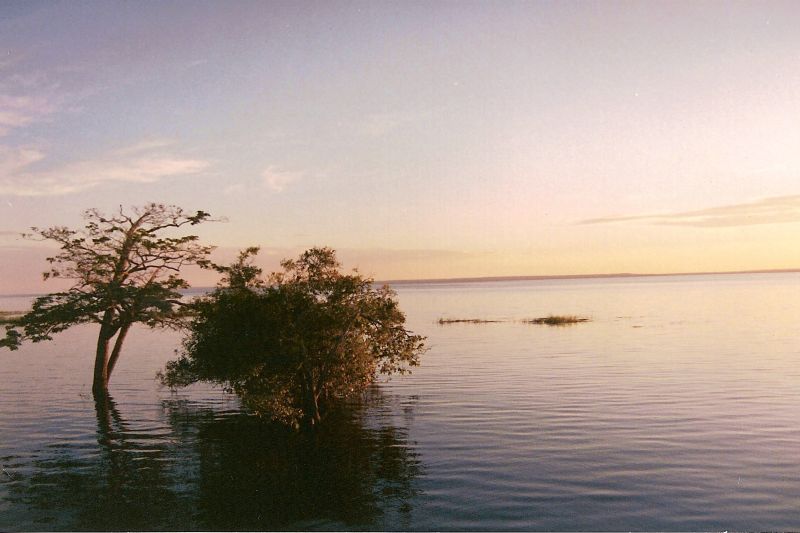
column 676, row 408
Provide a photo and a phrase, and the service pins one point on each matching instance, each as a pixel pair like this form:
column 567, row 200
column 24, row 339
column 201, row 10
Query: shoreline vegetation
column 549, row 320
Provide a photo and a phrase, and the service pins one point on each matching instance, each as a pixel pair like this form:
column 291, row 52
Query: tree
column 295, row 346
column 125, row 269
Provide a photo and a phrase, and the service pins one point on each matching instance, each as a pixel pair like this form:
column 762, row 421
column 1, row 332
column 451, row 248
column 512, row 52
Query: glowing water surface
column 676, row 408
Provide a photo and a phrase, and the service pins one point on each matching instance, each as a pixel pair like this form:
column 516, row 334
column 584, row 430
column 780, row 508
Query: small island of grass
column 466, row 321
column 550, row 320
column 556, row 320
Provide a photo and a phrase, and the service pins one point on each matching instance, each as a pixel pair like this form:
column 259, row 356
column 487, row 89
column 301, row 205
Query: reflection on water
column 257, row 476
column 675, row 408
column 213, row 470
column 119, row 483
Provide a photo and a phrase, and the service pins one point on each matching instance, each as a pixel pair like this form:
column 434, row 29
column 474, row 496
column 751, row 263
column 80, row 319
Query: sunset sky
column 420, row 139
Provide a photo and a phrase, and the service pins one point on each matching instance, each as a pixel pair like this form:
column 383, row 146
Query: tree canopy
column 294, row 345
column 125, row 269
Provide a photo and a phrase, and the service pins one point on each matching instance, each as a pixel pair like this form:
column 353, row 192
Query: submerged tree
column 125, row 269
column 298, row 344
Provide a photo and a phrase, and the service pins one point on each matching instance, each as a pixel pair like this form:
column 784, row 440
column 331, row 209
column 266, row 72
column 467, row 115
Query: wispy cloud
column 20, row 111
column 774, row 210
column 25, row 97
column 277, row 180
column 28, row 97
column 273, row 179
column 146, row 162
column 14, row 160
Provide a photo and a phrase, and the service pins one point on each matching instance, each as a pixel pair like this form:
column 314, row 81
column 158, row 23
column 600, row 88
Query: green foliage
column 297, row 344
column 125, row 269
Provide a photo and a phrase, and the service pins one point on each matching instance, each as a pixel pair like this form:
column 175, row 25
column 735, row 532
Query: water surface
column 675, row 408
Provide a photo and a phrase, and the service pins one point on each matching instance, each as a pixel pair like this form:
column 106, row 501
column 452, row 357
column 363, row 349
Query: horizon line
column 540, row 277
column 543, row 277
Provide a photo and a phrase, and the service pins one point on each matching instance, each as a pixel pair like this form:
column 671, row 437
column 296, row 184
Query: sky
column 420, row 139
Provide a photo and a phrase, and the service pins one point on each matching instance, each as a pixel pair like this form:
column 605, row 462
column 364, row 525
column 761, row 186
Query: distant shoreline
column 480, row 279
column 433, row 281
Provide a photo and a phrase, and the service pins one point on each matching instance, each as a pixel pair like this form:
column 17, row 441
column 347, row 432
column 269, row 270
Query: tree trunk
column 316, row 415
column 311, row 414
column 117, row 348
column 100, row 382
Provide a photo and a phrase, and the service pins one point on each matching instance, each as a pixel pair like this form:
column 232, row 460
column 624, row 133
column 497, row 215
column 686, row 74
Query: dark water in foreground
column 676, row 408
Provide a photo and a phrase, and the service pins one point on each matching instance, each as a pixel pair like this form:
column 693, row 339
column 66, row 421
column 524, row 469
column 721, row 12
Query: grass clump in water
column 465, row 321
column 557, row 320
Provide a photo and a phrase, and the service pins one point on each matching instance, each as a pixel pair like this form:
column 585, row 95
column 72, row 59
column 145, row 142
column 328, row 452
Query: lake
column 677, row 407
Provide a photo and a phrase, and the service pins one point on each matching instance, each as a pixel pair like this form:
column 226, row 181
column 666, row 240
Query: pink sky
column 421, row 139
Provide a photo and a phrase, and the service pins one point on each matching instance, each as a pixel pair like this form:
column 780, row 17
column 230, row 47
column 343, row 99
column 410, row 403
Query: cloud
column 272, row 178
column 141, row 163
column 15, row 160
column 774, row 210
column 19, row 111
column 277, row 180
column 26, row 97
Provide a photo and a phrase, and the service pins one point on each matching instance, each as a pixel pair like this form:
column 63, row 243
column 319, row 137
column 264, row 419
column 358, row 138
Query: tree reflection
column 119, row 484
column 211, row 470
column 348, row 474
column 137, row 490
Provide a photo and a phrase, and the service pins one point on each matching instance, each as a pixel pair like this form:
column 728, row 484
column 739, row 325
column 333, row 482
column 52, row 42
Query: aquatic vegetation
column 550, row 320
column 556, row 320
column 466, row 321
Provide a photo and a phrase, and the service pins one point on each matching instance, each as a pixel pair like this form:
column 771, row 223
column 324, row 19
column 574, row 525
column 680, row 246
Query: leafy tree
column 125, row 269
column 298, row 344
